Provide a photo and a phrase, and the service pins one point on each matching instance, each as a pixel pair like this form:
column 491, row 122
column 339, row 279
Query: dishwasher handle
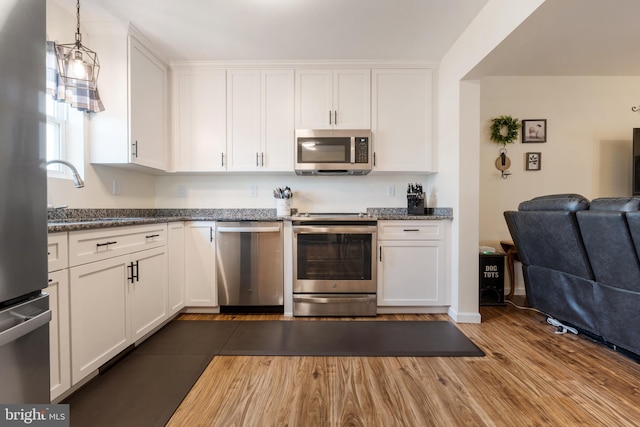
column 29, row 324
column 223, row 229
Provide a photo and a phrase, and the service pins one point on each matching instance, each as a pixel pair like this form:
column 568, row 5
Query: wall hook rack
column 503, row 163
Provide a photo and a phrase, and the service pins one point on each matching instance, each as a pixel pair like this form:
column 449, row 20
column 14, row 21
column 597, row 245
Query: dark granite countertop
column 88, row 219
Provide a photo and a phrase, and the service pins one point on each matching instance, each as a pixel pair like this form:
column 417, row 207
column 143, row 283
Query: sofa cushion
column 610, row 247
column 549, row 239
column 555, row 202
column 619, row 204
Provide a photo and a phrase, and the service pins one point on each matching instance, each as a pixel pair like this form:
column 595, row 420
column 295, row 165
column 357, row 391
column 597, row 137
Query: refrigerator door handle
column 31, row 324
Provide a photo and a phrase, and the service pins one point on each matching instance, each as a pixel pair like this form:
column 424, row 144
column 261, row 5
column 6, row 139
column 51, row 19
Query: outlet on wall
column 181, row 191
column 116, row 188
column 391, row 190
column 254, row 190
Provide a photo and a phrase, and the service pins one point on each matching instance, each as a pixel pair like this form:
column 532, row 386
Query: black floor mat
column 148, row 385
column 335, row 338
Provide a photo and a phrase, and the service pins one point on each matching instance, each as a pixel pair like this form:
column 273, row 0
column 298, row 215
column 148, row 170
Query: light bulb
column 77, row 67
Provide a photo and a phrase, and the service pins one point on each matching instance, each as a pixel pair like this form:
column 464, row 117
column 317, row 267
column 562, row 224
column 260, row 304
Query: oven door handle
column 314, row 229
column 329, row 300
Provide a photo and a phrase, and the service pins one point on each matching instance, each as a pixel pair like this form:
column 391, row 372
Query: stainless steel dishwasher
column 249, row 265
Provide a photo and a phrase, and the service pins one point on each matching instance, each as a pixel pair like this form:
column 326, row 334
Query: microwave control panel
column 362, row 150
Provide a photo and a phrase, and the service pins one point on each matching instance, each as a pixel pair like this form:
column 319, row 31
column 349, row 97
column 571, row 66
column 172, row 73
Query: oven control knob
column 306, row 214
column 335, row 285
column 360, row 215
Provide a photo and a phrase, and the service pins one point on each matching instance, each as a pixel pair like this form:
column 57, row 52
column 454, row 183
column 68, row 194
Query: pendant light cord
column 78, row 34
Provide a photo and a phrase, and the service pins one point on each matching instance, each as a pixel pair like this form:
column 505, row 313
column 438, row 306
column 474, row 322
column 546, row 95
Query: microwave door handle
column 353, row 149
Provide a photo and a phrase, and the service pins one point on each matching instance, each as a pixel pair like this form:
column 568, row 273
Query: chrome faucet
column 77, row 180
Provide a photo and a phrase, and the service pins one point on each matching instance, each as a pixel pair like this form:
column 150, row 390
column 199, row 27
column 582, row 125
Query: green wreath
column 504, row 122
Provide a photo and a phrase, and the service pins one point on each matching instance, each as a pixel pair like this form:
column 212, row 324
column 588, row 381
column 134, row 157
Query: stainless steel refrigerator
column 24, row 308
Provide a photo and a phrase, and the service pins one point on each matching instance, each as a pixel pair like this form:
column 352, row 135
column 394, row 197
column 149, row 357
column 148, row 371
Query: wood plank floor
column 530, row 376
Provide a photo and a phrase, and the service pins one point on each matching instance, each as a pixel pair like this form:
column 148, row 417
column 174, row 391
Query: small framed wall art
column 533, row 161
column 534, row 130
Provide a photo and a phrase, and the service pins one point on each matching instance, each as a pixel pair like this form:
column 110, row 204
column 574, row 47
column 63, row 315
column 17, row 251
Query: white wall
column 588, row 149
column 311, row 193
column 137, row 189
column 458, row 135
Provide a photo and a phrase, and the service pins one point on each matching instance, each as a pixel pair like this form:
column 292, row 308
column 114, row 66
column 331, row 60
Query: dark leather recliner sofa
column 580, row 263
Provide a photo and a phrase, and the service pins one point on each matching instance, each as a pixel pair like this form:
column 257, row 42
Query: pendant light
column 78, row 65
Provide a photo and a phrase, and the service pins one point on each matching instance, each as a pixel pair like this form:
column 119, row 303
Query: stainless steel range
column 334, row 268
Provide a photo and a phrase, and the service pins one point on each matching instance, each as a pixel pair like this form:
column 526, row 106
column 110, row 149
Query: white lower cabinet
column 412, row 262
column 200, row 266
column 100, row 323
column 149, row 291
column 59, row 358
column 175, row 241
column 118, row 300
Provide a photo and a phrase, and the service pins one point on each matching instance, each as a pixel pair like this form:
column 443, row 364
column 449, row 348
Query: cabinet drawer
column 57, row 251
column 95, row 245
column 411, row 230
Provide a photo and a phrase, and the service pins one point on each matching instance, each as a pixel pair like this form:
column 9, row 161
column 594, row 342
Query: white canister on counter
column 283, row 207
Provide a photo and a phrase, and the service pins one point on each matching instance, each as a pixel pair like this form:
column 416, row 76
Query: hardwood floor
column 530, row 376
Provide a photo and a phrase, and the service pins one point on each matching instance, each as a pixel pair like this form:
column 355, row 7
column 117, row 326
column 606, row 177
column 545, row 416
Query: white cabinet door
column 410, row 273
column 401, row 118
column 199, row 120
column 200, row 267
column 314, row 99
column 175, row 239
column 277, row 120
column 260, row 120
column 352, row 99
column 134, row 90
column 148, row 107
column 59, row 345
column 99, row 314
column 149, row 291
column 333, row 99
column 243, row 120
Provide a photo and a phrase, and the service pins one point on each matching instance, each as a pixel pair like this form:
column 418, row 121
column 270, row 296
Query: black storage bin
column 492, row 278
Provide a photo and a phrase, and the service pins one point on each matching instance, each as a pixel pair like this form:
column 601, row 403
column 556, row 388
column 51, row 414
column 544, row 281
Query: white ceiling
column 291, row 29
column 571, row 37
column 562, row 37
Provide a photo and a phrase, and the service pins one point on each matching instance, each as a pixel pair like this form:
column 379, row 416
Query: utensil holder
column 283, row 207
column 415, row 204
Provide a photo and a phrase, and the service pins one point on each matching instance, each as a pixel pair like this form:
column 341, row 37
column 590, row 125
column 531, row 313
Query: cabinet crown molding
column 304, row 64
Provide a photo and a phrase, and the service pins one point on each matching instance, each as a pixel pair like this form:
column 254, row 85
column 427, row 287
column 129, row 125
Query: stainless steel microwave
column 333, row 152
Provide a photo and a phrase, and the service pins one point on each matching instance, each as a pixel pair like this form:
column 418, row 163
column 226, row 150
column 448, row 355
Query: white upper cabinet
column 133, row 85
column 277, row 120
column 148, row 107
column 199, row 120
column 333, row 99
column 260, row 120
column 401, row 120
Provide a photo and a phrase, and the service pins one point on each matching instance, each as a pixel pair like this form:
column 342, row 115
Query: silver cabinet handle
column 411, row 229
column 263, row 159
column 98, row 245
column 335, row 117
column 329, row 116
column 135, row 149
column 248, row 229
column 222, row 163
column 257, row 161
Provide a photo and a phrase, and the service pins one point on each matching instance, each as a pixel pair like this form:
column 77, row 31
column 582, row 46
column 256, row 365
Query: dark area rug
column 336, row 338
column 146, row 387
